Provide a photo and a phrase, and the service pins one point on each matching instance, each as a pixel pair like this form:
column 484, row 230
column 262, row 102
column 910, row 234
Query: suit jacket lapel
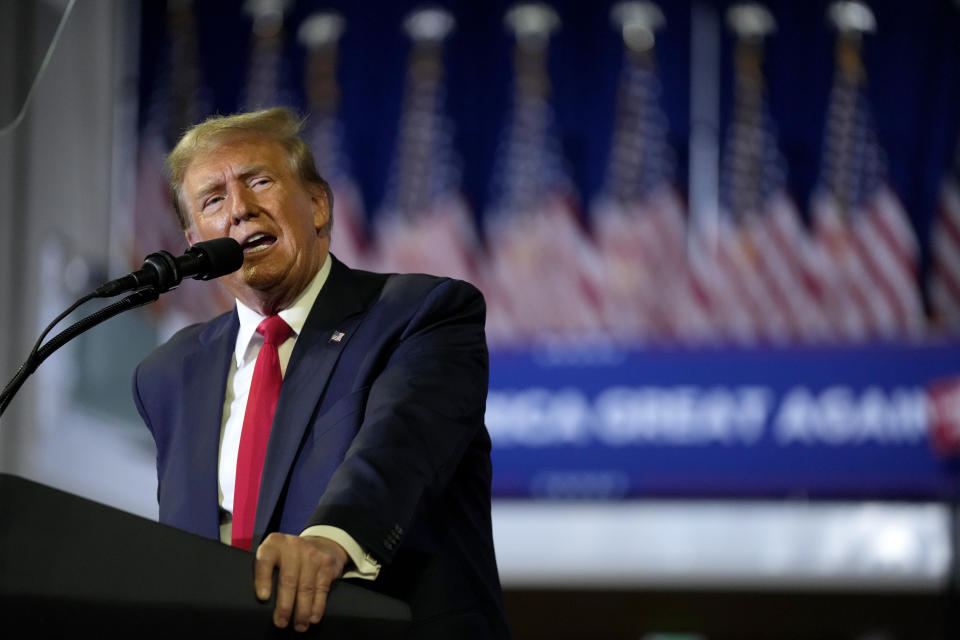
column 205, row 376
column 312, row 362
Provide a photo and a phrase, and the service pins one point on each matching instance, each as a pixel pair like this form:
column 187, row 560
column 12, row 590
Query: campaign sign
column 603, row 421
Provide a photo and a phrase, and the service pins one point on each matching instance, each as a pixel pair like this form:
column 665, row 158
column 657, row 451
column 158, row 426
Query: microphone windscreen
column 222, row 256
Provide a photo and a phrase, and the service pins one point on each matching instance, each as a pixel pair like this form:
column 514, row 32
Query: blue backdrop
column 912, row 62
column 605, row 419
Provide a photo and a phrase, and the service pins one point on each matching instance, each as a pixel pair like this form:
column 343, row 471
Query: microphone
column 202, row 261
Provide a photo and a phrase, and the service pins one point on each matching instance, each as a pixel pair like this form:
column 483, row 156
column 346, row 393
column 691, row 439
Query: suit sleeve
column 142, row 409
column 423, row 410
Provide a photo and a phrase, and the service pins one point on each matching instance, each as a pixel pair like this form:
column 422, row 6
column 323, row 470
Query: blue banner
column 605, row 422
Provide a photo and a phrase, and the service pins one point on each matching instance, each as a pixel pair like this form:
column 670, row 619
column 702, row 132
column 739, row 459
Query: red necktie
column 261, row 404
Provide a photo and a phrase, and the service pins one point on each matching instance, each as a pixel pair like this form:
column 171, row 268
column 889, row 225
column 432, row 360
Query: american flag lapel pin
column 337, row 336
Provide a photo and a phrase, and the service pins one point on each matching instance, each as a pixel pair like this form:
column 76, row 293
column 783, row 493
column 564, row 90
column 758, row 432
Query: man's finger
column 319, row 599
column 305, row 595
column 287, row 584
column 263, row 571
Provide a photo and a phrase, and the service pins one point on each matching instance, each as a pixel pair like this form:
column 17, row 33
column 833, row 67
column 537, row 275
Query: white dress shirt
column 235, row 405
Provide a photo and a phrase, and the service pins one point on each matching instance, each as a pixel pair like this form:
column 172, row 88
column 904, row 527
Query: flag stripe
column 884, row 267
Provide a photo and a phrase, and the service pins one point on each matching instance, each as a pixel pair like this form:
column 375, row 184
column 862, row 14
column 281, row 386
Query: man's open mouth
column 258, row 242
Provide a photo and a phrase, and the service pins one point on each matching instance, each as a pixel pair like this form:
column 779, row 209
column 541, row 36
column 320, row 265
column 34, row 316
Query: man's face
column 245, row 189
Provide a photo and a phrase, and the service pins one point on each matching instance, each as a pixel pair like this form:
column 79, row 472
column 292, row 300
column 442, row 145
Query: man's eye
column 211, row 201
column 260, row 182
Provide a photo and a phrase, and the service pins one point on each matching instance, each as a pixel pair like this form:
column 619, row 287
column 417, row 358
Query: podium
column 73, row 567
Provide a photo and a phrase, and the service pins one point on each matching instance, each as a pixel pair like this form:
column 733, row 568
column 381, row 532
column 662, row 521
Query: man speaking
column 333, row 421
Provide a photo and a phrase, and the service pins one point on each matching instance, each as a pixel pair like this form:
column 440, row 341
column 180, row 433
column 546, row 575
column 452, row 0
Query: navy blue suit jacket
column 379, row 433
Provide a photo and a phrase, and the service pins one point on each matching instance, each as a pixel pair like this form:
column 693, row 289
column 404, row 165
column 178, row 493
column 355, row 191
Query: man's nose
column 242, row 206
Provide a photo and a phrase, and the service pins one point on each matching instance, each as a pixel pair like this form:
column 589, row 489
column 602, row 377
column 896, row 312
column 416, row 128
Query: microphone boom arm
column 161, row 272
column 132, row 301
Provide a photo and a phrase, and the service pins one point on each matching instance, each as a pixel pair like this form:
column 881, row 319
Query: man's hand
column 308, row 565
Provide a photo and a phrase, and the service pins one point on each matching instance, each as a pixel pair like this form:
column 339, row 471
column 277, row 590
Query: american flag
column 543, row 272
column 349, row 240
column 869, row 246
column 177, row 100
column 424, row 225
column 267, row 77
column 763, row 253
column 320, row 33
column 944, row 279
column 639, row 220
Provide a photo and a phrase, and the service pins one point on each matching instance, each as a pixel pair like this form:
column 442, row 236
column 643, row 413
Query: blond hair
column 279, row 124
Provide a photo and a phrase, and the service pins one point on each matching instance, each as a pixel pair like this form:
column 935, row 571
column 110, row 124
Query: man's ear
column 192, row 237
column 321, row 209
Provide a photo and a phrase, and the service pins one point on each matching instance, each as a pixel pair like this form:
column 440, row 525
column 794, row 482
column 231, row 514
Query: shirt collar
column 295, row 315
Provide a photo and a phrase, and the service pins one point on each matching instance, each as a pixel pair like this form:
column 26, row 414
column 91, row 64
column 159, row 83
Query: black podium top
column 69, row 565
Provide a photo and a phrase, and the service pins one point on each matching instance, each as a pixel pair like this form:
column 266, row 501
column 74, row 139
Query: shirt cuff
column 364, row 565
